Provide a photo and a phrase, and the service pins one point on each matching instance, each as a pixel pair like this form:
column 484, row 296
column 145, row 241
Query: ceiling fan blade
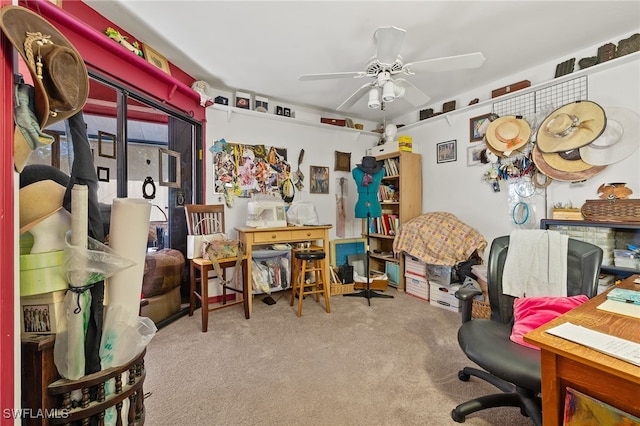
column 448, row 63
column 351, row 101
column 412, row 94
column 330, row 75
column 389, row 41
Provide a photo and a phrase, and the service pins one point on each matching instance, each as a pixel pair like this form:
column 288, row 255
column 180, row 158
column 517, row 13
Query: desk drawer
column 272, row 237
column 308, row 234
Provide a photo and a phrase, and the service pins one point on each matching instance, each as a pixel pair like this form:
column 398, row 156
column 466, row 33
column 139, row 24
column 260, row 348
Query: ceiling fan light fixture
column 388, row 92
column 398, row 91
column 374, row 99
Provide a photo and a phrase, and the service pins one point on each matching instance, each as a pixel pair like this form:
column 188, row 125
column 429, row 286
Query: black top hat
column 370, row 165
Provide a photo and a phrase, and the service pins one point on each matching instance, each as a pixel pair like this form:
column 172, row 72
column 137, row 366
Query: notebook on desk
column 622, row 308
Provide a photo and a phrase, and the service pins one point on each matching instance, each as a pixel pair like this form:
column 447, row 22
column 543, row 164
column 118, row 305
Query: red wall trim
column 108, row 57
column 7, row 229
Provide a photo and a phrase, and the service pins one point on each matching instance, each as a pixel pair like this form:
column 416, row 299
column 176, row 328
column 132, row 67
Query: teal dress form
column 368, row 204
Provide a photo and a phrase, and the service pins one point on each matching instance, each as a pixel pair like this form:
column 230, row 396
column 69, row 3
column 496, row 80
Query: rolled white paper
column 79, row 215
column 128, row 237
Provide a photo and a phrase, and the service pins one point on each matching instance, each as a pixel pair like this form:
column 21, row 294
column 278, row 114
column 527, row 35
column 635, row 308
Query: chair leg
column 460, row 413
column 192, row 287
column 246, row 290
column 302, row 275
column 204, row 296
column 503, row 385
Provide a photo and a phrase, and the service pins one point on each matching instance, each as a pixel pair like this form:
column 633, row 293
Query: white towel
column 536, row 264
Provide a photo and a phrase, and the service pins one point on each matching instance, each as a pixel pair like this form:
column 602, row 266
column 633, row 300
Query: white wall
column 319, row 143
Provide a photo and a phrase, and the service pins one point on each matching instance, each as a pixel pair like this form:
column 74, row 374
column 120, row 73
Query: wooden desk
column 601, row 376
column 251, row 237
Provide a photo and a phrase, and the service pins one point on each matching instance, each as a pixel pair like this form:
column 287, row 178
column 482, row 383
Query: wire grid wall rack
column 545, row 99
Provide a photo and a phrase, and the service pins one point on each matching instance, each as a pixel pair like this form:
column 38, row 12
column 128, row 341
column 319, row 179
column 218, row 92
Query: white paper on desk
column 621, row 308
column 611, row 345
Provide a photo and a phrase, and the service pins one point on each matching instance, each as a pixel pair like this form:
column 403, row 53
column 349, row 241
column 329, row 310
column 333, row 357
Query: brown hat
column 571, row 126
column 38, row 201
column 61, row 80
column 570, row 174
column 507, row 134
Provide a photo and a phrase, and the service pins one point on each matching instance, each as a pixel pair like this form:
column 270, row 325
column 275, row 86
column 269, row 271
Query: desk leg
column 552, row 404
column 327, row 265
column 247, row 242
column 246, row 289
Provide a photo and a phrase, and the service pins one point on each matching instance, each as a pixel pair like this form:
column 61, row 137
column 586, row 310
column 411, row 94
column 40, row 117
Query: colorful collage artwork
column 243, row 170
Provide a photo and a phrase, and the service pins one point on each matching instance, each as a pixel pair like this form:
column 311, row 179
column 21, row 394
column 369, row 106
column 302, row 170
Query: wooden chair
column 209, row 219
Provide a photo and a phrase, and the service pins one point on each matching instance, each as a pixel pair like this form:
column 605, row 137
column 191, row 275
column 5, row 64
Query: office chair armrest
column 466, row 295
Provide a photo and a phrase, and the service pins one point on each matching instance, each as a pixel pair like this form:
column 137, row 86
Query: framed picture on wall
column 475, row 124
column 474, row 153
column 446, row 151
column 156, row 59
column 319, row 180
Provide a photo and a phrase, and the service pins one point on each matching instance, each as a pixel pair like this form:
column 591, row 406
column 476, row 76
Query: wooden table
column 251, row 237
column 565, row 363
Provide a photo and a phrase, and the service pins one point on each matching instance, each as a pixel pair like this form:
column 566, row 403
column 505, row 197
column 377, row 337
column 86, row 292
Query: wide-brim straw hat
column 563, row 175
column 565, row 163
column 571, row 126
column 620, row 139
column 38, row 201
column 507, row 134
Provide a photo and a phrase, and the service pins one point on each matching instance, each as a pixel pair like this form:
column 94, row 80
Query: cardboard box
column 414, row 267
column 41, row 273
column 443, row 296
column 416, row 287
column 42, row 313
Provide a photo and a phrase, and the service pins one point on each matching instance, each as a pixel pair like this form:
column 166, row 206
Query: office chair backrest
column 204, row 218
column 583, row 268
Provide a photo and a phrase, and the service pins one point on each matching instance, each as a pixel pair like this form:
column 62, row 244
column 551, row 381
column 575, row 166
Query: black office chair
column 513, row 368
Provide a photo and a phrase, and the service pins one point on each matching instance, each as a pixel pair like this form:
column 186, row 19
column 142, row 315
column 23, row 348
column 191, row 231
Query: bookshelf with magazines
column 400, row 195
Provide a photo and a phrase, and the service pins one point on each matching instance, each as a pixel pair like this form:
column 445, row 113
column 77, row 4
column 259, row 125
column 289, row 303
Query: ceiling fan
column 387, row 65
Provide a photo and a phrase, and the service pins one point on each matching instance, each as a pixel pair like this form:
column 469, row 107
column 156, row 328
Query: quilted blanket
column 439, row 238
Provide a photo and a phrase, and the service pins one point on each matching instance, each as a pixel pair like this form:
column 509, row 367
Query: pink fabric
column 531, row 312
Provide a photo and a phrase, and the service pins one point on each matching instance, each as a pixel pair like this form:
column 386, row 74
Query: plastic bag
column 302, row 213
column 124, row 336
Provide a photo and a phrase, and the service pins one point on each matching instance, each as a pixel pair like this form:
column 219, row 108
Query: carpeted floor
column 392, row 363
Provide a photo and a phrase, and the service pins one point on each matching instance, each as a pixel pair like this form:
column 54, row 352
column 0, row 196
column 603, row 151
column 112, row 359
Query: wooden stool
column 310, row 261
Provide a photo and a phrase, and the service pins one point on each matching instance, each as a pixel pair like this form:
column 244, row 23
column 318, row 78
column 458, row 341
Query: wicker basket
column 616, row 210
column 480, row 309
column 341, row 289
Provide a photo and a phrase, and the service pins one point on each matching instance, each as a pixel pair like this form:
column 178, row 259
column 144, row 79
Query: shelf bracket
column 450, row 119
column 229, row 113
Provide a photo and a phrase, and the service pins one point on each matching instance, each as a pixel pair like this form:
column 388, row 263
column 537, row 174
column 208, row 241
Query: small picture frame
column 103, row 174
column 261, row 104
column 474, row 153
column 343, row 162
column 168, row 162
column 319, row 177
column 447, row 151
column 279, row 110
column 156, row 59
column 105, row 139
column 243, row 100
column 475, row 124
column 287, row 112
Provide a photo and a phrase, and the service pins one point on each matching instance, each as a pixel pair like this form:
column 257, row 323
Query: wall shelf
column 233, row 110
column 450, row 116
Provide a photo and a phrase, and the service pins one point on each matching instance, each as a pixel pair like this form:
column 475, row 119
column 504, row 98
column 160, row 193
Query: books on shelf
column 391, row 166
column 388, row 193
column 387, row 224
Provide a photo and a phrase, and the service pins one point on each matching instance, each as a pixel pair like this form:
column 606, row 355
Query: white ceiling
column 262, row 47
